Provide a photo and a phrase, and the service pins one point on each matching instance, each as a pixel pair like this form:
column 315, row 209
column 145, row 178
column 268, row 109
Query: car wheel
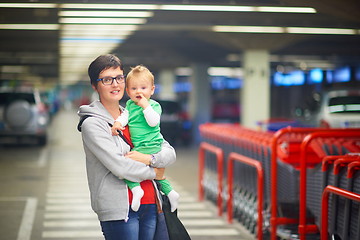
column 18, row 114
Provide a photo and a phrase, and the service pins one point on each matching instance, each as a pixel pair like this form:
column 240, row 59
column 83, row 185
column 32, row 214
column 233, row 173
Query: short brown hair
column 102, row 63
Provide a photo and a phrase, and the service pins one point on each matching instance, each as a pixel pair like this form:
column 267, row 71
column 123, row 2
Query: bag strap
column 123, row 137
column 159, row 209
column 81, row 122
column 120, row 133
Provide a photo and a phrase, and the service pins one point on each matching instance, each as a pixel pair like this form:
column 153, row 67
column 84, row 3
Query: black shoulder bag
column 171, row 224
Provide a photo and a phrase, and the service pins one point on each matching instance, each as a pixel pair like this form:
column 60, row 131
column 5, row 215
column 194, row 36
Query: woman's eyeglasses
column 120, row 79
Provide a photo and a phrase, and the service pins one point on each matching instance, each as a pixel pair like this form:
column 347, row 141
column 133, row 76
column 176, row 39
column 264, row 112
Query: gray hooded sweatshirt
column 107, row 165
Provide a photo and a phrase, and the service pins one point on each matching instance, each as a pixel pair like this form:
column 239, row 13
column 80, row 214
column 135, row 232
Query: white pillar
column 200, row 98
column 256, row 89
column 167, row 80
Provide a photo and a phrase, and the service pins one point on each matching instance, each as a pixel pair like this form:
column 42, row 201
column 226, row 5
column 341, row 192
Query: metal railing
column 260, row 185
column 220, row 159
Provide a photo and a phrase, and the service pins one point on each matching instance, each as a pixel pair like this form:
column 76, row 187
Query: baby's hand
column 142, row 102
column 117, row 126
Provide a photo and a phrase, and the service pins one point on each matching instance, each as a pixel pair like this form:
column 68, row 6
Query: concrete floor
column 44, row 193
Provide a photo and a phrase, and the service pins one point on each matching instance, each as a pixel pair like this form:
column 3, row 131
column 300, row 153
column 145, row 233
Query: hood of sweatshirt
column 96, row 109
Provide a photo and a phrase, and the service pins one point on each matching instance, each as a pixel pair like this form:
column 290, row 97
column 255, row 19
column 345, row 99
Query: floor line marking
column 70, row 215
column 28, row 217
column 71, row 234
column 213, row 232
column 72, row 207
column 43, row 158
column 203, row 222
column 72, row 223
column 194, row 214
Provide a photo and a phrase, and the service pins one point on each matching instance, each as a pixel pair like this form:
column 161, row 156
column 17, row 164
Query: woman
column 108, row 160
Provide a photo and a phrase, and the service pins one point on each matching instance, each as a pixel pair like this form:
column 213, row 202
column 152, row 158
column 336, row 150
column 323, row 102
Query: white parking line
column 213, row 232
column 41, row 162
column 195, row 214
column 54, row 194
column 28, row 217
column 71, row 215
column 203, row 222
column 84, row 200
column 68, row 208
column 72, row 234
column 71, row 223
column 191, row 206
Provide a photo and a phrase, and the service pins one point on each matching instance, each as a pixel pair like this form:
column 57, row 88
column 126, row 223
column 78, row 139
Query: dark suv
column 23, row 117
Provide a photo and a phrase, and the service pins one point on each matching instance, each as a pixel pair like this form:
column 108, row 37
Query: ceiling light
column 81, row 59
column 286, row 9
column 217, row 8
column 102, row 20
column 85, row 33
column 13, row 69
column 74, row 48
column 95, row 28
column 75, row 44
column 225, row 8
column 137, row 14
column 28, row 5
column 110, row 6
column 305, row 30
column 248, row 29
column 295, row 30
column 92, row 39
column 173, row 7
column 30, row 26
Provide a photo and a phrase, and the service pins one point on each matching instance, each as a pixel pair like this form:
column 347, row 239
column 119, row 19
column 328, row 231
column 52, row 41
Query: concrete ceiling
column 178, row 38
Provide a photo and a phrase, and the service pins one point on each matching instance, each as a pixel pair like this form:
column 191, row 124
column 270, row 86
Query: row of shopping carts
column 274, row 182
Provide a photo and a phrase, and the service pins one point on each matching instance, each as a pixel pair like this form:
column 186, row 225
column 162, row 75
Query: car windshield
column 169, row 107
column 344, row 104
column 6, row 98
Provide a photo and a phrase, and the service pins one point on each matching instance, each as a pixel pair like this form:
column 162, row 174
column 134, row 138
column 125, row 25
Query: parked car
column 333, row 109
column 226, row 111
column 23, row 116
column 175, row 125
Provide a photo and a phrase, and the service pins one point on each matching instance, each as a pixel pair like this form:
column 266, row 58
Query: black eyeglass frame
column 120, row 79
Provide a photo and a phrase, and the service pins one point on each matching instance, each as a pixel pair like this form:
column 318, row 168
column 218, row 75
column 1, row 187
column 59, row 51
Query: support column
column 167, row 80
column 255, row 100
column 200, row 100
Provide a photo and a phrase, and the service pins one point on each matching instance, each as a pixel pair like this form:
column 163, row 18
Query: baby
column 143, row 117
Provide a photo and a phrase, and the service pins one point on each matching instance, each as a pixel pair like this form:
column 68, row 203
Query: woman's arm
column 102, row 145
column 165, row 157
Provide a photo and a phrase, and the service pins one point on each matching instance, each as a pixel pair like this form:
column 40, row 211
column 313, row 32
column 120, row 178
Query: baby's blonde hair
column 140, row 71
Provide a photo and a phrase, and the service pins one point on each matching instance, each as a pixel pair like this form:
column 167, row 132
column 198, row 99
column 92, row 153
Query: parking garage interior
column 261, row 65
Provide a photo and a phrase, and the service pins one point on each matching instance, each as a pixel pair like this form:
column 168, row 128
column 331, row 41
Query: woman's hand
column 140, row 157
column 159, row 173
